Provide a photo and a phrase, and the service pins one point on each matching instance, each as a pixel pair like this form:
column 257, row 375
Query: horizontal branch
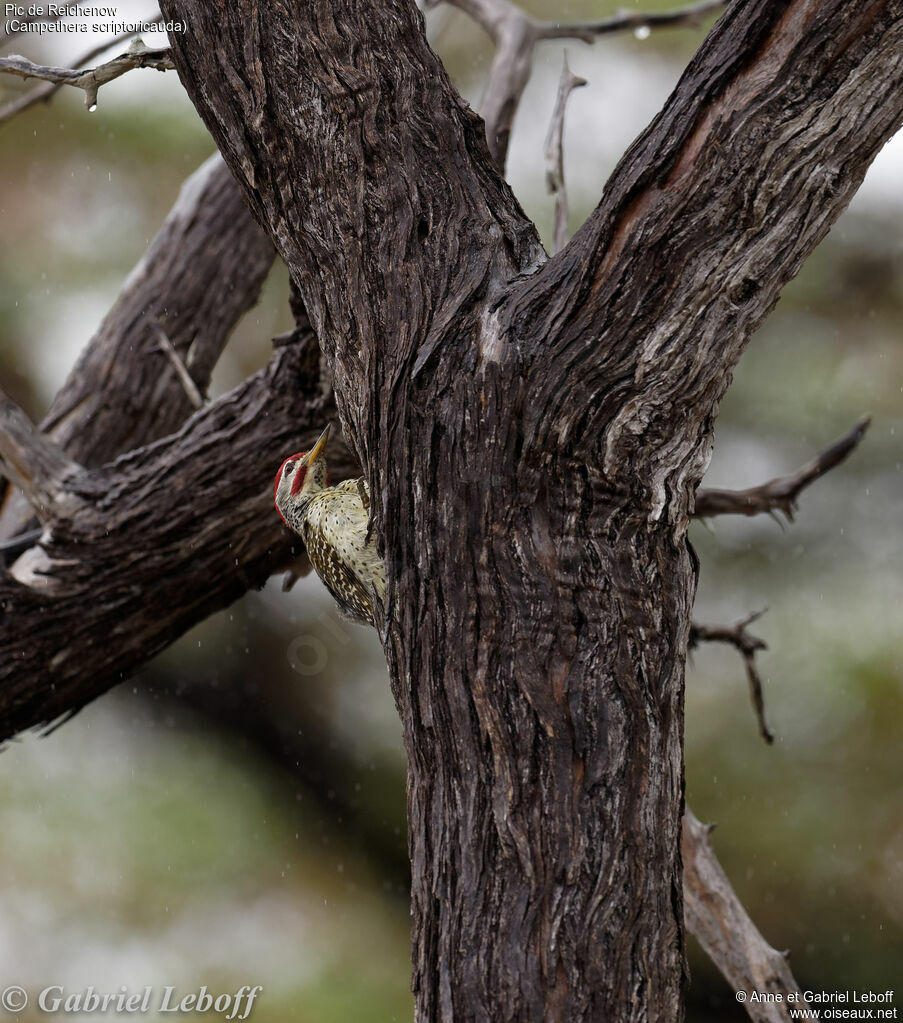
column 90, row 79
column 780, row 494
column 33, row 463
column 716, row 918
column 692, row 15
column 747, row 646
column 159, row 540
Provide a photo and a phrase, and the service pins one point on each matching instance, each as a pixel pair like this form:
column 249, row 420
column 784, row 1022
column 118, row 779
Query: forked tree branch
column 438, row 317
column 584, row 387
column 90, row 79
column 780, row 494
column 747, row 646
column 716, row 917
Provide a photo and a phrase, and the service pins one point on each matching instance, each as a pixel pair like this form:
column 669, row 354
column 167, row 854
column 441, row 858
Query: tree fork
column 533, row 432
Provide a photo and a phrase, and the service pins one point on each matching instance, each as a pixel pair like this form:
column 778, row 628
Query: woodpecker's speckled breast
column 335, row 535
column 334, row 523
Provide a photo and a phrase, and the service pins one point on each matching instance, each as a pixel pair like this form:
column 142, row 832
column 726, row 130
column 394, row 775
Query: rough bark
column 137, row 551
column 535, row 432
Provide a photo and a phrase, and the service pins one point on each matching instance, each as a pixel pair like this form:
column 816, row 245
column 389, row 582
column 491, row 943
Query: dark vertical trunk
column 542, row 701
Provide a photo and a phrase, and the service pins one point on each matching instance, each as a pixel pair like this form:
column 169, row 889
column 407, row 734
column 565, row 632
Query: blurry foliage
column 227, row 818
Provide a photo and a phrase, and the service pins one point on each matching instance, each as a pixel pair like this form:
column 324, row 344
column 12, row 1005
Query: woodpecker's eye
column 288, row 468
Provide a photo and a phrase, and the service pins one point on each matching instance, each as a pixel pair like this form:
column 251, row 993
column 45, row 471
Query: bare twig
column 90, row 79
column 34, row 464
column 554, row 154
column 747, row 646
column 779, row 495
column 717, row 919
column 515, row 35
column 191, row 388
column 43, row 92
column 626, row 21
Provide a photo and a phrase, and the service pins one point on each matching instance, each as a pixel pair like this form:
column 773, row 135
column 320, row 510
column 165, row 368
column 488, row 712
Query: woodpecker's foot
column 365, row 501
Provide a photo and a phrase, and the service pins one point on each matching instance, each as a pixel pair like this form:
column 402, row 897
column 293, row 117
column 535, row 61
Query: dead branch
column 43, row 92
column 781, row 494
column 185, row 379
column 747, row 646
column 554, row 154
column 626, row 21
column 718, row 921
column 91, row 79
column 515, row 35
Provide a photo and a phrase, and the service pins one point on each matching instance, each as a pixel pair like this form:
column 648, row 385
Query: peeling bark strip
column 534, row 432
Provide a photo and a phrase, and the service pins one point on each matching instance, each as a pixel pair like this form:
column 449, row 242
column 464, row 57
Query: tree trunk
column 535, row 432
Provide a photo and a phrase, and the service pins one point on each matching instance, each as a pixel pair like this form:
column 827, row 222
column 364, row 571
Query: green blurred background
column 235, row 813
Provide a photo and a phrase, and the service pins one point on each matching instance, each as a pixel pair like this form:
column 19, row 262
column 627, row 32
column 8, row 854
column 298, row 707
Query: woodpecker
column 333, row 522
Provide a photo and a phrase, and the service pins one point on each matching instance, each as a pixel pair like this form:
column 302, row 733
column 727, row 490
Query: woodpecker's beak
column 318, row 448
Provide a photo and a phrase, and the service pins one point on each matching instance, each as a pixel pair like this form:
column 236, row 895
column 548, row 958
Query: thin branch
column 515, row 34
column 716, row 918
column 624, row 21
column 780, row 495
column 554, row 154
column 34, row 464
column 747, row 646
column 191, row 388
column 43, row 92
column 91, row 79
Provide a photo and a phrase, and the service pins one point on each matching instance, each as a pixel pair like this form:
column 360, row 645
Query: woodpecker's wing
column 350, row 594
